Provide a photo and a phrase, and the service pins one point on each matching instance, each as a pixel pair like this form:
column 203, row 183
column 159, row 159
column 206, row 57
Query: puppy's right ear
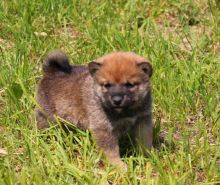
column 93, row 67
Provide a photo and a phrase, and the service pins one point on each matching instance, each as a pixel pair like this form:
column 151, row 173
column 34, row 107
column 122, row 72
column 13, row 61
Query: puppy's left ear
column 93, row 67
column 146, row 67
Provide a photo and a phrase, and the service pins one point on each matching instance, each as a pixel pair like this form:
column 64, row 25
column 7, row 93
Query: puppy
column 108, row 96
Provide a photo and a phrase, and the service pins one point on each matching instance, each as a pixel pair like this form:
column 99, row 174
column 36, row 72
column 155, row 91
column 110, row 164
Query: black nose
column 117, row 100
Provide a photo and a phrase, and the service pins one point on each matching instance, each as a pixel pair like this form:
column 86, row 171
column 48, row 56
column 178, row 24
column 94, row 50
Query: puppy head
column 122, row 79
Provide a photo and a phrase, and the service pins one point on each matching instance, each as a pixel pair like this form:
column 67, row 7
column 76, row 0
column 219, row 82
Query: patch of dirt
column 218, row 163
column 171, row 28
column 201, row 176
column 6, row 44
column 19, row 151
column 170, row 17
column 3, row 152
column 2, row 130
column 68, row 31
column 73, row 33
column 216, row 48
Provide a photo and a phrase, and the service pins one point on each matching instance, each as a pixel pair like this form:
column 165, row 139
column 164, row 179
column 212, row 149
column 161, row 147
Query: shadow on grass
column 128, row 147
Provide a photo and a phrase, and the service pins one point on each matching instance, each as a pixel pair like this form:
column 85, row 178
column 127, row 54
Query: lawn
column 182, row 41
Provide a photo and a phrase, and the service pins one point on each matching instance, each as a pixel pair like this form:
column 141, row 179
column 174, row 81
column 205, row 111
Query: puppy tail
column 56, row 62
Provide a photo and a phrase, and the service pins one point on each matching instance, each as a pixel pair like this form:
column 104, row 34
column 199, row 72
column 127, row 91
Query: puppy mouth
column 117, row 106
column 118, row 110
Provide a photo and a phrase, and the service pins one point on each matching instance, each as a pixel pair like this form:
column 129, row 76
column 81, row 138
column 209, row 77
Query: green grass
column 181, row 39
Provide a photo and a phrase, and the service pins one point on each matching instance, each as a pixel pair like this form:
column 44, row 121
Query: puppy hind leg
column 41, row 119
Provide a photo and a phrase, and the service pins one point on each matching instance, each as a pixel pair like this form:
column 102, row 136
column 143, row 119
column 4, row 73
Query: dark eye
column 107, row 85
column 129, row 85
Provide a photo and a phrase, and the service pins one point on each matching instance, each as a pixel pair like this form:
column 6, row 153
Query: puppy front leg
column 144, row 132
column 108, row 142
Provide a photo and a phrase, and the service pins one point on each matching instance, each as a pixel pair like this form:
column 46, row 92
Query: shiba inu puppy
column 108, row 96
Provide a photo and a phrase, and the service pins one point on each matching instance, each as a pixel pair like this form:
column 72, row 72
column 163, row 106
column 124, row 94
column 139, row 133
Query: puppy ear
column 93, row 67
column 146, row 67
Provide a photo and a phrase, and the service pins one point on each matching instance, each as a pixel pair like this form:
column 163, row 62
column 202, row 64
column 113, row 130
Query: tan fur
column 123, row 63
column 78, row 97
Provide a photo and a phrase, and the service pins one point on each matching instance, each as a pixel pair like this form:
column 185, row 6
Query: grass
column 181, row 39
